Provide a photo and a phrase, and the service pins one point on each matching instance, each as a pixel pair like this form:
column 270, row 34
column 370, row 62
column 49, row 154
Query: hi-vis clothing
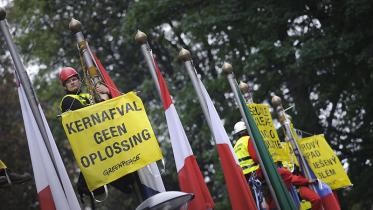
column 83, row 98
column 246, row 162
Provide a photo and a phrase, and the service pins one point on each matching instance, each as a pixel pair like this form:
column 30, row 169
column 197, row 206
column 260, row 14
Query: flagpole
column 247, row 92
column 285, row 122
column 26, row 83
column 233, row 175
column 95, row 77
column 228, row 70
column 142, row 39
column 186, row 57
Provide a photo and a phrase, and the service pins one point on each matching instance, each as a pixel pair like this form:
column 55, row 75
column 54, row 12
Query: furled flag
column 150, row 177
column 190, row 176
column 52, row 182
column 238, row 188
column 114, row 92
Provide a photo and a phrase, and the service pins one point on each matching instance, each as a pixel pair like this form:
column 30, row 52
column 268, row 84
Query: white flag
column 52, row 182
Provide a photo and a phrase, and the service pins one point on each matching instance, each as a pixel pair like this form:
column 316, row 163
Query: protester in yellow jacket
column 241, row 149
column 75, row 99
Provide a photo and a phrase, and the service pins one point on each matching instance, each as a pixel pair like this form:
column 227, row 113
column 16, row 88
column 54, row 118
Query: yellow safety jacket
column 83, row 98
column 247, row 164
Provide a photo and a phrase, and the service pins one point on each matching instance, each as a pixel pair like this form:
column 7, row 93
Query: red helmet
column 66, row 73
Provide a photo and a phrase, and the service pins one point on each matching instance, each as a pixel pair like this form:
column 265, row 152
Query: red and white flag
column 189, row 173
column 52, row 183
column 238, row 188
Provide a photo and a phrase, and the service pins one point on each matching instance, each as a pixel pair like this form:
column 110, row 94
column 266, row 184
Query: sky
column 3, row 2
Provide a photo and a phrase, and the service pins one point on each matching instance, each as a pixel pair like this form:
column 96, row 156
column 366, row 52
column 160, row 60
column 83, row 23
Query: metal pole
column 27, row 86
column 227, row 68
column 187, row 59
column 285, row 122
column 142, row 39
column 75, row 27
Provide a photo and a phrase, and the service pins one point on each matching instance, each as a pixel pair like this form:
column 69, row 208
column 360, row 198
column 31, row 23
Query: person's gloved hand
column 101, row 88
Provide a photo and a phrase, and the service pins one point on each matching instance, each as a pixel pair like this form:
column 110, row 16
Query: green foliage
column 317, row 55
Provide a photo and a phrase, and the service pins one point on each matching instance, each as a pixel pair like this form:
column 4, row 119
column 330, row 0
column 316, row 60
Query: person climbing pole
column 75, row 99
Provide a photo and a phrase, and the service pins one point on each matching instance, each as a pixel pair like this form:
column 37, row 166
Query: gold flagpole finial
column 141, row 37
column 247, row 92
column 185, row 55
column 2, row 13
column 276, row 101
column 244, row 87
column 227, row 68
column 75, row 26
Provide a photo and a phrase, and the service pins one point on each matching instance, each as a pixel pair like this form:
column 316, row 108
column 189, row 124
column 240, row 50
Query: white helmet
column 238, row 127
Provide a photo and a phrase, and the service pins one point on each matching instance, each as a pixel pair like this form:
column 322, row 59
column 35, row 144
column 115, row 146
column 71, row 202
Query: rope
column 88, row 84
column 102, row 81
column 303, row 132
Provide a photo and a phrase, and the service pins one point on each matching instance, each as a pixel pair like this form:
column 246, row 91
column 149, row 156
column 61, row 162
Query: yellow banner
column 289, row 159
column 323, row 162
column 111, row 139
column 263, row 120
column 2, row 165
